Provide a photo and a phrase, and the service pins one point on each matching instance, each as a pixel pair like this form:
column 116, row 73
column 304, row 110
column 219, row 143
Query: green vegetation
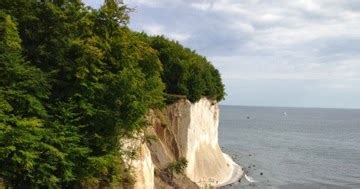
column 74, row 81
column 177, row 167
column 185, row 72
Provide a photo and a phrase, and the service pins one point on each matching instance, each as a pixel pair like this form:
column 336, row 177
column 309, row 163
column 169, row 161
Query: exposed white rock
column 191, row 132
column 142, row 166
column 195, row 130
column 144, row 169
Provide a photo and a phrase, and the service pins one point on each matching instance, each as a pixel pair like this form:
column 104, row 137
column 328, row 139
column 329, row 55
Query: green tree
column 186, row 72
column 74, row 81
column 32, row 152
column 102, row 80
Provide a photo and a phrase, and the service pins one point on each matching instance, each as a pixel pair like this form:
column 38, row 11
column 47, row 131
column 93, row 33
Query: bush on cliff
column 177, row 166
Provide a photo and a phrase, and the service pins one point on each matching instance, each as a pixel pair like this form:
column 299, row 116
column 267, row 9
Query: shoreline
column 236, row 172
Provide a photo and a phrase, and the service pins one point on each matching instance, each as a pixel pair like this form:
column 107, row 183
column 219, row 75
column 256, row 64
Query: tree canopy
column 76, row 80
column 186, row 72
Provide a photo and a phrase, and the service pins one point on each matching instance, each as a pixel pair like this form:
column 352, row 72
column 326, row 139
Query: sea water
column 293, row 147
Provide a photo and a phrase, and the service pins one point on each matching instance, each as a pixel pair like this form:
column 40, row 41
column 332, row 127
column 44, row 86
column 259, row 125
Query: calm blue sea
column 302, row 148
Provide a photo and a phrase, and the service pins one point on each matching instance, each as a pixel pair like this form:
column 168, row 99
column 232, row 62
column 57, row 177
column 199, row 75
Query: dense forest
column 74, row 81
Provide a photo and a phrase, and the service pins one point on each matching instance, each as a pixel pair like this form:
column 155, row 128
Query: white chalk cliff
column 142, row 166
column 188, row 130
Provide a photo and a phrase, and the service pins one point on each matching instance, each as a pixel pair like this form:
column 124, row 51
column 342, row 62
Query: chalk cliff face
column 142, row 165
column 143, row 169
column 186, row 130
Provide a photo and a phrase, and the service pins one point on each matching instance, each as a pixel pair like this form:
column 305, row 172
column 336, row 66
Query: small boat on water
column 285, row 114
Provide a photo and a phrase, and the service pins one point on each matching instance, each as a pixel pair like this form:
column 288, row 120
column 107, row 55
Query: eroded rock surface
column 186, row 130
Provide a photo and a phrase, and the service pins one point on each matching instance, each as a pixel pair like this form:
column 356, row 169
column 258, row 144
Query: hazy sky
column 270, row 52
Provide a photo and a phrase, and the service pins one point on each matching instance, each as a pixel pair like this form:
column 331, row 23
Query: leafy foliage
column 74, row 81
column 30, row 152
column 177, row 167
column 186, row 72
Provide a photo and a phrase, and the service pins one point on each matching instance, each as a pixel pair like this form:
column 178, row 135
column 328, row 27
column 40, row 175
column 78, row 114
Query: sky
column 298, row 53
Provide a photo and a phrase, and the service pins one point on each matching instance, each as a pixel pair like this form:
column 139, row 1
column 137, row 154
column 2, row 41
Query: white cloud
column 246, row 27
column 270, row 17
column 308, row 5
column 260, row 68
column 264, row 40
column 156, row 29
column 200, row 5
column 153, row 3
column 179, row 36
column 153, row 29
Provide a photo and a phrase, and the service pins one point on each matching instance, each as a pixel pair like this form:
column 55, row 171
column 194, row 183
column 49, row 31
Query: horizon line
column 272, row 106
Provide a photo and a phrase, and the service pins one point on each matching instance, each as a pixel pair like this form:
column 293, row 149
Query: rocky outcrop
column 190, row 131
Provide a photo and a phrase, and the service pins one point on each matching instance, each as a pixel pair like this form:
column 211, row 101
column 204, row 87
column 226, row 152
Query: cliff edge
column 185, row 130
